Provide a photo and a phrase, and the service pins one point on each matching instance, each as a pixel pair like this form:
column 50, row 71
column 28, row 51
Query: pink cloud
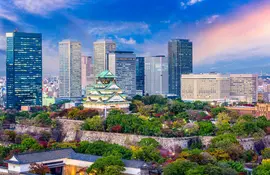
column 245, row 33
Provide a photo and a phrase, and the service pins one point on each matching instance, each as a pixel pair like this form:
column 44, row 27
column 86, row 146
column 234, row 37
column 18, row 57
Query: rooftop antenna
column 16, row 30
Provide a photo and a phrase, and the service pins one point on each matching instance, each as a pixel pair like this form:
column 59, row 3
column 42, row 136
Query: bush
column 43, row 119
column 206, row 128
column 11, row 135
column 107, row 164
column 179, row 167
column 149, row 142
column 266, row 153
column 101, row 148
column 93, row 124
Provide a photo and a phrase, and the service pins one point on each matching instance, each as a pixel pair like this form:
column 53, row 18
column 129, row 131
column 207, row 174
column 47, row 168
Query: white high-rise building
column 205, row 87
column 101, row 50
column 123, row 65
column 244, row 87
column 156, row 75
column 70, row 69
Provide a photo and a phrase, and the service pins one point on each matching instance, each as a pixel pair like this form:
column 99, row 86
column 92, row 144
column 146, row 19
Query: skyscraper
column 156, row 75
column 180, row 62
column 87, row 71
column 123, row 65
column 24, row 69
column 70, row 69
column 101, row 51
column 140, row 75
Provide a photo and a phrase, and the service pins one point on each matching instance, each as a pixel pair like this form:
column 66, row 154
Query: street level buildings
column 123, row 65
column 156, row 75
column 180, row 62
column 140, row 82
column 206, row 87
column 244, row 87
column 24, row 69
column 101, row 51
column 70, row 69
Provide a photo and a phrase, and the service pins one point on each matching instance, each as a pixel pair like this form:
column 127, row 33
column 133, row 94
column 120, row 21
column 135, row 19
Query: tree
column 39, row 169
column 183, row 115
column 93, row 124
column 154, row 99
column 31, row 144
column 107, row 164
column 73, row 114
column 177, row 107
column 43, row 119
column 263, row 169
column 266, row 153
column 179, row 167
column 147, row 154
column 206, row 128
column 86, row 113
column 217, row 110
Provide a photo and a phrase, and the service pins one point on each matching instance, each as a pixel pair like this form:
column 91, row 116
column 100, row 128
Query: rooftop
column 106, row 74
column 34, row 157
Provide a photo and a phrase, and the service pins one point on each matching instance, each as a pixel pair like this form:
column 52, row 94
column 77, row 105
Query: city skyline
column 242, row 26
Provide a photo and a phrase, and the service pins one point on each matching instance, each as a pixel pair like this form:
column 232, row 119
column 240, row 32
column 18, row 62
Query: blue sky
column 228, row 35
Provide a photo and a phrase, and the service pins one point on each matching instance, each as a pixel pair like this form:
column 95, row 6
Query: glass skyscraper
column 140, row 74
column 180, row 62
column 123, row 65
column 24, row 69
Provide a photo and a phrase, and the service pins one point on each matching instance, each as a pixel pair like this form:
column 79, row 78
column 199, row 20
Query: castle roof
column 106, row 74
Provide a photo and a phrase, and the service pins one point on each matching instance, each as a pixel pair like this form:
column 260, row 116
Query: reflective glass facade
column 180, row 62
column 24, row 69
column 140, row 74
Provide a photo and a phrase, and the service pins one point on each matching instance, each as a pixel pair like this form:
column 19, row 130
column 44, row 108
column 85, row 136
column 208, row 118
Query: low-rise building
column 205, row 87
column 64, row 161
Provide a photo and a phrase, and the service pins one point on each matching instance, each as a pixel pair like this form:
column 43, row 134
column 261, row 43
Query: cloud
column 111, row 28
column 8, row 15
column 129, row 41
column 184, row 5
column 43, row 7
column 245, row 34
column 212, row 19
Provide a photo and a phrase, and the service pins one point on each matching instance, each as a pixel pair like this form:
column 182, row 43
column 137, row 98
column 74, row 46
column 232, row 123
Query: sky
column 229, row 36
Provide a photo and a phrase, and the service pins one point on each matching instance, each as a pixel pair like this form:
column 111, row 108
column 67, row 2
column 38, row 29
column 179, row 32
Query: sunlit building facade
column 24, row 69
column 101, row 51
column 156, row 75
column 70, row 69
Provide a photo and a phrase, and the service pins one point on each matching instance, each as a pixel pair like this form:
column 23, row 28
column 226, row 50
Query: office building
column 156, row 75
column 24, row 69
column 101, row 51
column 87, row 71
column 244, row 87
column 205, row 87
column 180, row 62
column 123, row 65
column 140, row 75
column 70, row 69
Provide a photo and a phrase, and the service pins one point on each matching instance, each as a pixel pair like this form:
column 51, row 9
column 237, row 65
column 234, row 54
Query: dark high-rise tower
column 140, row 74
column 24, row 69
column 180, row 62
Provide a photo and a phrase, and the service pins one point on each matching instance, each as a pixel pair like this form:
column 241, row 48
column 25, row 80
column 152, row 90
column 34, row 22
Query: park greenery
column 151, row 116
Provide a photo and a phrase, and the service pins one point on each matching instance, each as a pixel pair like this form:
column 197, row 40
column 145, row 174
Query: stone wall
column 23, row 129
column 70, row 130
